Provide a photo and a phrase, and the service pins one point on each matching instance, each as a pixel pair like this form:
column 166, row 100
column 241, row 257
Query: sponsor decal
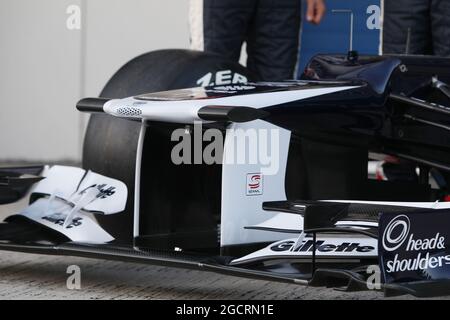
column 323, row 246
column 329, row 247
column 230, row 89
column 59, row 218
column 105, row 191
column 254, row 184
column 390, row 242
column 414, row 246
column 220, row 78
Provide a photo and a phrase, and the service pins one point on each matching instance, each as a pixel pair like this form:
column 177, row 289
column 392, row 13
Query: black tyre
column 110, row 143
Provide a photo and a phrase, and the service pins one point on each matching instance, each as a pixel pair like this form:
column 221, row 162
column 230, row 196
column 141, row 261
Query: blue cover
column 332, row 35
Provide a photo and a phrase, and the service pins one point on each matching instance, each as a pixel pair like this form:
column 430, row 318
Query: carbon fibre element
column 348, row 280
column 352, row 211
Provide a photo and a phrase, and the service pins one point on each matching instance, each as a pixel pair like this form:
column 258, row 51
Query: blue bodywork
column 332, row 35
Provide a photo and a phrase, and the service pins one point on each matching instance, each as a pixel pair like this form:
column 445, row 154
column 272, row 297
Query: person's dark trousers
column 426, row 21
column 269, row 27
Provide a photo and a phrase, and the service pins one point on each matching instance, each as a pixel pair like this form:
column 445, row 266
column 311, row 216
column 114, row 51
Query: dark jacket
column 417, row 27
column 270, row 29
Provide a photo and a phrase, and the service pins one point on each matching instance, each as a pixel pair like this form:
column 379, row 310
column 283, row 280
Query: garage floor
column 24, row 276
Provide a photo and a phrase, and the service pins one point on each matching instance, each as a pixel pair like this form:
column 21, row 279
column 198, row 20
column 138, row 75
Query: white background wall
column 45, row 67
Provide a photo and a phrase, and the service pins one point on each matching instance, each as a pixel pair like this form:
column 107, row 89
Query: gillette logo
column 397, row 233
column 322, row 246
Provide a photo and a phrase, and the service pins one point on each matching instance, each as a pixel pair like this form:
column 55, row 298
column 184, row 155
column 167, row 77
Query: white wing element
column 339, row 248
column 53, row 214
column 112, row 196
column 71, row 184
column 68, row 198
column 60, row 180
column 186, row 111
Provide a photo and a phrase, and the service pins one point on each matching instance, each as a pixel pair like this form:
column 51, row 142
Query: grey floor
column 24, row 276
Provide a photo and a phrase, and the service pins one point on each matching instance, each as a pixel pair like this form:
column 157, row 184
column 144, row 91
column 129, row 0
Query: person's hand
column 315, row 11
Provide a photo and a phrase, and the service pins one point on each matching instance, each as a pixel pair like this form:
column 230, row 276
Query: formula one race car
column 256, row 179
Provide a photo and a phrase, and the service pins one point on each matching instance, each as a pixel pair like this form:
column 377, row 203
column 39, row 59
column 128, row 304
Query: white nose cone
column 123, row 108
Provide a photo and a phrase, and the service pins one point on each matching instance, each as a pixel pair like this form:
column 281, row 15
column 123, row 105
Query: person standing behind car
column 416, row 27
column 270, row 29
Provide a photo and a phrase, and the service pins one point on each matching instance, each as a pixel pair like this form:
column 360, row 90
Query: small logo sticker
column 396, row 233
column 254, row 184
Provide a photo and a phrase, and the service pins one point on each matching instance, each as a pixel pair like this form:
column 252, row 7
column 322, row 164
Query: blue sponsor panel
column 333, row 34
column 414, row 246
